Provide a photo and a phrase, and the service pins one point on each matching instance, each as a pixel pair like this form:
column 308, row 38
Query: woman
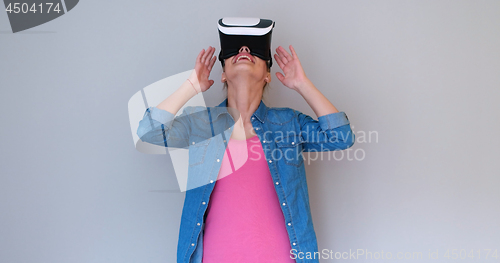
column 260, row 213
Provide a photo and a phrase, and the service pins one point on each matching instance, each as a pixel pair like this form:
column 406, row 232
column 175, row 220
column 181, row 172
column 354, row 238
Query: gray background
column 423, row 74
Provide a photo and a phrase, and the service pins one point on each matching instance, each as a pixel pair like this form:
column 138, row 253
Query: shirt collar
column 260, row 113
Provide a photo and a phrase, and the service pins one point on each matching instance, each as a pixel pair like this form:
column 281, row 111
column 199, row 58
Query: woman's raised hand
column 204, row 63
column 294, row 76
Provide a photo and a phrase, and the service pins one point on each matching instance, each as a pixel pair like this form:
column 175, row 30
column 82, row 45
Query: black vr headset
column 255, row 33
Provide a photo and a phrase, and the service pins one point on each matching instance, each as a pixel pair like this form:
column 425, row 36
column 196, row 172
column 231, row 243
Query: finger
column 212, row 62
column 281, row 56
column 198, row 58
column 278, row 59
column 294, row 55
column 209, row 57
column 280, row 76
column 278, row 51
column 204, row 58
column 285, row 54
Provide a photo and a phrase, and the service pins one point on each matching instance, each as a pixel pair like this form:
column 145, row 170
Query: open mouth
column 243, row 57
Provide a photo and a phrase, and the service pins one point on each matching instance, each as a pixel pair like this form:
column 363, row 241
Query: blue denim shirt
column 284, row 133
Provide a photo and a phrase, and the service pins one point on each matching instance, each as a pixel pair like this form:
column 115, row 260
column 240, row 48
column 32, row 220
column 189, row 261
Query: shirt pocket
column 197, row 149
column 290, row 148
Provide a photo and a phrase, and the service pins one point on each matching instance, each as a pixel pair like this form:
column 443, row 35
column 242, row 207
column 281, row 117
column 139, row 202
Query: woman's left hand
column 294, row 77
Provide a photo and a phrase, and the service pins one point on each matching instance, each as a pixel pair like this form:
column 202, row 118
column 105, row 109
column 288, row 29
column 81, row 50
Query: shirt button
column 203, row 203
column 193, row 142
column 198, row 224
column 264, row 141
column 277, row 183
column 270, row 161
column 224, row 140
column 253, row 118
column 294, row 244
column 257, row 128
column 218, row 160
column 211, row 181
column 293, row 143
column 284, row 204
column 192, row 244
column 289, row 224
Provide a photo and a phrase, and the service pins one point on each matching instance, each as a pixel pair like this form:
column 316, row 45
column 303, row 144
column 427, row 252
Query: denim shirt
column 284, row 134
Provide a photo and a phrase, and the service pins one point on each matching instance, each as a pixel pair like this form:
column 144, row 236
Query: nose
column 244, row 49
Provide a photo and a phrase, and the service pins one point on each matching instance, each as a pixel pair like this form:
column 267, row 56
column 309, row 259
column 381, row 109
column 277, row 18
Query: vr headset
column 255, row 33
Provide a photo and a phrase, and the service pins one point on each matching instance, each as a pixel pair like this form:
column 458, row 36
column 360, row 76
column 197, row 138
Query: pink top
column 244, row 221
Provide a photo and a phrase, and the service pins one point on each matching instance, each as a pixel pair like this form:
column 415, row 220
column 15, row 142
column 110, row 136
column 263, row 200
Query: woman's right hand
column 204, row 63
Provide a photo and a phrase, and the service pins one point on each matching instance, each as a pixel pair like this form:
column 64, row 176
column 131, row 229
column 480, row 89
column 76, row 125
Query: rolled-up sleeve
column 329, row 133
column 160, row 126
column 333, row 120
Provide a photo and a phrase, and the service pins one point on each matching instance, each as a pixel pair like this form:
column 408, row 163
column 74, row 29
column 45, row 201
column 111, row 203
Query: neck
column 244, row 96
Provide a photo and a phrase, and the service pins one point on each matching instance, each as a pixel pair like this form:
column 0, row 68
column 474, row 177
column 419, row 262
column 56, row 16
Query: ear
column 268, row 77
column 223, row 77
